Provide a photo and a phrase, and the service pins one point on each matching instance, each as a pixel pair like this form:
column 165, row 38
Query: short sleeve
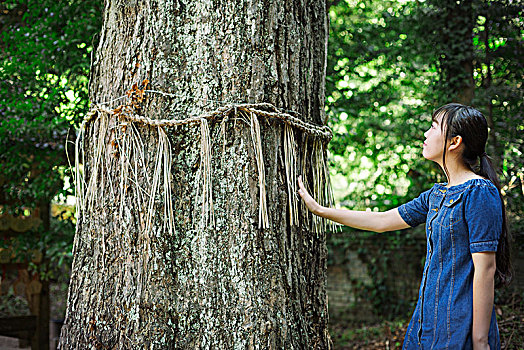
column 483, row 214
column 415, row 212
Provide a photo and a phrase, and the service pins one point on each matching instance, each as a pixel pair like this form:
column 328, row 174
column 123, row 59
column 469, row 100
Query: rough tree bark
column 457, row 47
column 231, row 285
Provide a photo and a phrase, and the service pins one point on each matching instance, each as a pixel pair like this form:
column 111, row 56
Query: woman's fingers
column 303, row 192
column 306, row 197
column 300, row 184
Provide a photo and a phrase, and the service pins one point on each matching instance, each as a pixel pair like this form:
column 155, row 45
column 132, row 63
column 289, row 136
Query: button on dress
column 460, row 220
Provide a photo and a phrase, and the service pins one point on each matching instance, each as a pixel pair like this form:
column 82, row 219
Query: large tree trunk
column 212, row 278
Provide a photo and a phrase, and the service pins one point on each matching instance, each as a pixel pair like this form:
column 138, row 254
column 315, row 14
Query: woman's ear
column 455, row 143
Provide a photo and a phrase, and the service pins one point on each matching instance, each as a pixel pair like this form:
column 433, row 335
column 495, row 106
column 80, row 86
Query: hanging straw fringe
column 205, row 176
column 91, row 195
column 79, row 181
column 304, row 168
column 137, row 152
column 290, row 165
column 318, row 162
column 169, row 216
column 128, row 146
column 322, row 189
column 156, row 180
column 263, row 219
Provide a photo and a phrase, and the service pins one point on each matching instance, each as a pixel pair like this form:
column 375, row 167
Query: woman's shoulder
column 483, row 205
column 481, row 184
column 482, row 192
column 475, row 183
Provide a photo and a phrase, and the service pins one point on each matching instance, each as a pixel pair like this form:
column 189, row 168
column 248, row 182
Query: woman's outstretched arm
column 364, row 220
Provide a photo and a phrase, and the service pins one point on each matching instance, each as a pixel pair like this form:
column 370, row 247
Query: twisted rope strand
column 270, row 111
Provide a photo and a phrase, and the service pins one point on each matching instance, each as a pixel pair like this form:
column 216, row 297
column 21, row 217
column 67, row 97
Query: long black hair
column 471, row 125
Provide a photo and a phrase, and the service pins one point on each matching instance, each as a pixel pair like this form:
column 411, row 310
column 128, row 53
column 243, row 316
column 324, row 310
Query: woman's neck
column 459, row 173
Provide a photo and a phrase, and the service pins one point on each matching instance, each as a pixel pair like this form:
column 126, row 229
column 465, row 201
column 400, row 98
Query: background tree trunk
column 457, row 49
column 230, row 285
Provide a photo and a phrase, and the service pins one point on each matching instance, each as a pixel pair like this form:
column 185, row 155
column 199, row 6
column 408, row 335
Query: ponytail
column 504, row 272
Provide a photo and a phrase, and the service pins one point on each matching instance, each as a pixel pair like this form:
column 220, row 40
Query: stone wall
column 371, row 277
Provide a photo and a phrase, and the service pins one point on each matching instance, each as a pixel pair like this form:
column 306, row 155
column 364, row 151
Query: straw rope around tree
column 133, row 162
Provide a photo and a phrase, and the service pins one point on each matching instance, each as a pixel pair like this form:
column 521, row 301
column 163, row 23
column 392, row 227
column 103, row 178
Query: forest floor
column 390, row 334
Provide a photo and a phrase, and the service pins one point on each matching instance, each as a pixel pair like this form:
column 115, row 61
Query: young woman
column 467, row 237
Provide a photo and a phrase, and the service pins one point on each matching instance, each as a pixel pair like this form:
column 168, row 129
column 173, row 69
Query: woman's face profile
column 434, row 141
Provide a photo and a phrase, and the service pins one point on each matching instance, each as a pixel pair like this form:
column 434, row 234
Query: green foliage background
column 45, row 49
column 390, row 63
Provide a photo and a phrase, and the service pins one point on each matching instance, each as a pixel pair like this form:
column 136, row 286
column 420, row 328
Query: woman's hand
column 306, row 197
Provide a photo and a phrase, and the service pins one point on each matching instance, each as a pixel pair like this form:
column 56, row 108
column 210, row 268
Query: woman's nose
column 426, row 134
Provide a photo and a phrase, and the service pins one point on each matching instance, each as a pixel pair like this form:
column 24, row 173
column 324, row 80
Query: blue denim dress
column 460, row 220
